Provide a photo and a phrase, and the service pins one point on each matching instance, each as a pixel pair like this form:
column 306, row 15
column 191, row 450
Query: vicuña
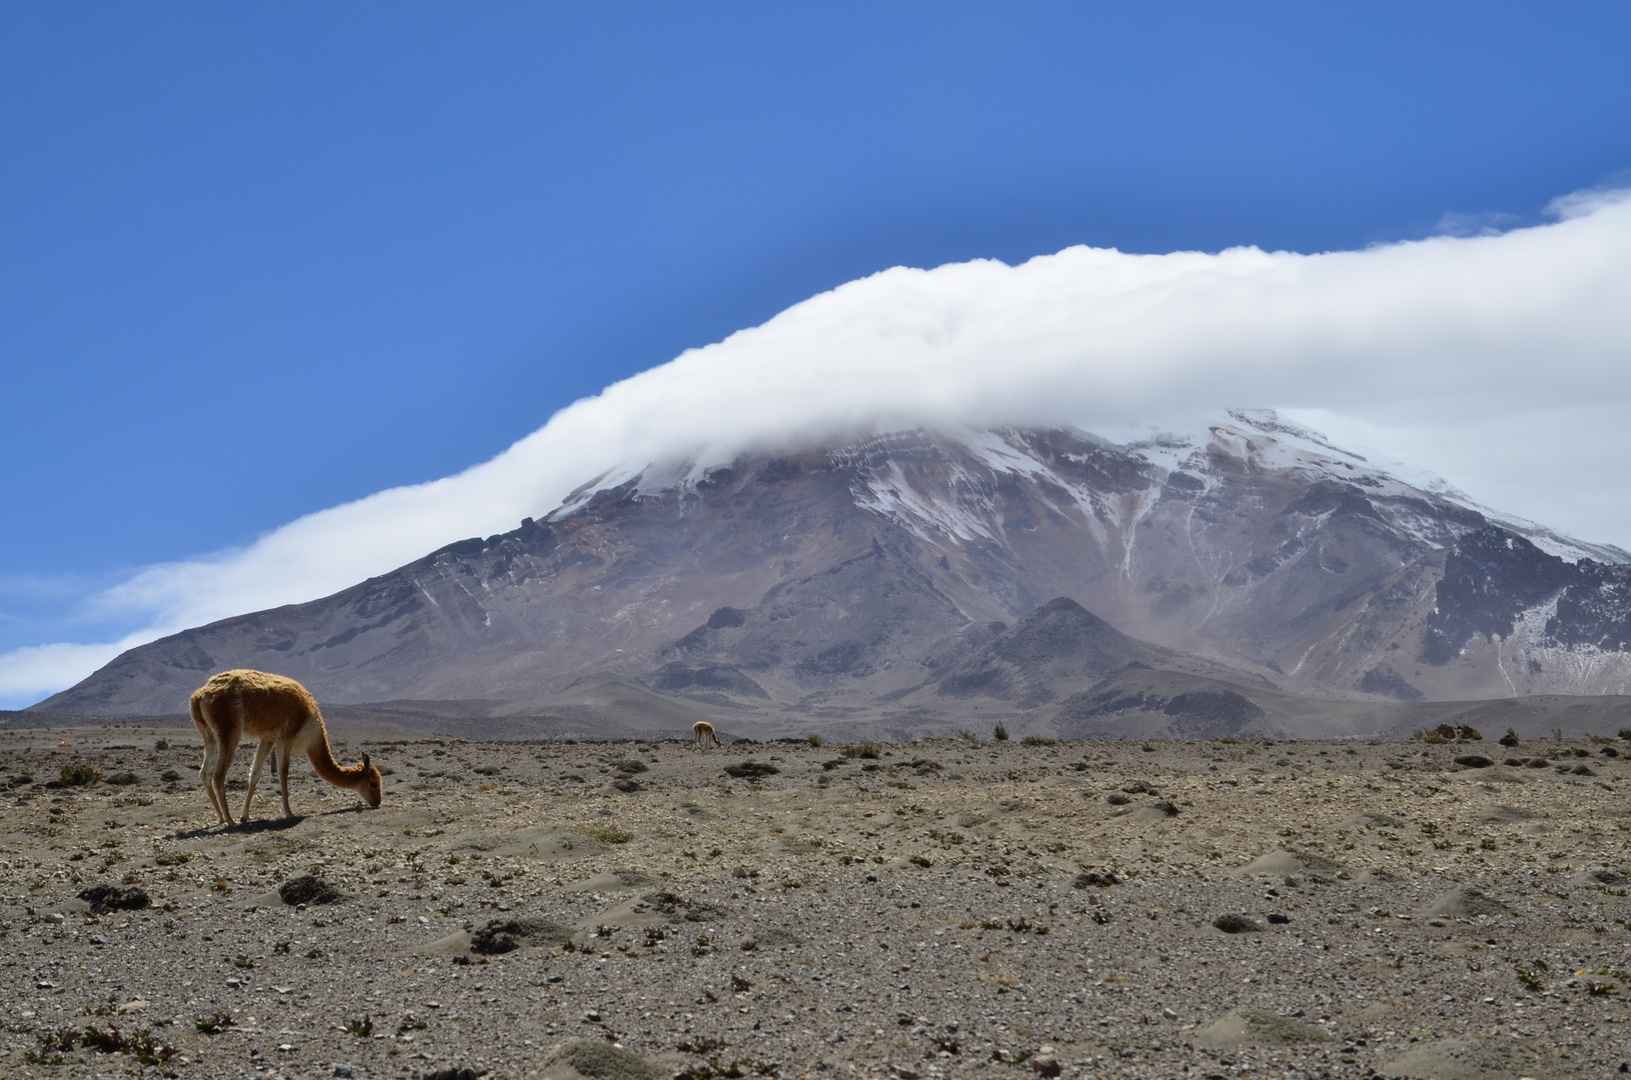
column 283, row 716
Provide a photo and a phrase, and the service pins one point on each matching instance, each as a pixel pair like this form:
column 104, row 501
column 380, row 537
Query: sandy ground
column 946, row 909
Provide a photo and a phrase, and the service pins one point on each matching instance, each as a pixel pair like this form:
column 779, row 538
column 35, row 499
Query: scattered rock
column 1095, row 878
column 123, row 779
column 1046, row 1065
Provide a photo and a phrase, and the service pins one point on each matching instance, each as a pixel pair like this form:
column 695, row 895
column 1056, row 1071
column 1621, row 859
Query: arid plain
column 947, row 908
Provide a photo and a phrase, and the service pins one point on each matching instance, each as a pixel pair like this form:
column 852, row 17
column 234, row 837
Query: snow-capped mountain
column 934, row 573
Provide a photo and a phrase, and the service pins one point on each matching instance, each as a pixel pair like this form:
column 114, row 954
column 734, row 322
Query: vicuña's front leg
column 255, row 775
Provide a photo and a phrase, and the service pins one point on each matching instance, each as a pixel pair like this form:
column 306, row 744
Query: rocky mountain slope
column 923, row 575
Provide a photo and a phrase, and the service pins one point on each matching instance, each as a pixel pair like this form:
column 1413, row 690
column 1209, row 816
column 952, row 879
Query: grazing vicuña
column 282, row 715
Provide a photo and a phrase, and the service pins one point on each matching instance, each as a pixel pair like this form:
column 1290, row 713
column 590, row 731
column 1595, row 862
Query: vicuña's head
column 371, row 786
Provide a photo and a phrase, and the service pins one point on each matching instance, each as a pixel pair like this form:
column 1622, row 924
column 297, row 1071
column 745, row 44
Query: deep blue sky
column 259, row 259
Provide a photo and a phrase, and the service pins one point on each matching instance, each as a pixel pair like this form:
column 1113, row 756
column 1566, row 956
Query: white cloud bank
column 1503, row 362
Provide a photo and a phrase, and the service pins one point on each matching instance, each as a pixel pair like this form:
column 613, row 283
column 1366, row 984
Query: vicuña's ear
column 365, row 759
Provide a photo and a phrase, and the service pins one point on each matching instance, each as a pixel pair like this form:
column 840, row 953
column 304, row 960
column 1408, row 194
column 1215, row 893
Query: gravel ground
column 945, row 909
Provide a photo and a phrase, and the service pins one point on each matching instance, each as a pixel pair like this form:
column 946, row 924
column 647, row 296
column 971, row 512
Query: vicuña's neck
column 322, row 760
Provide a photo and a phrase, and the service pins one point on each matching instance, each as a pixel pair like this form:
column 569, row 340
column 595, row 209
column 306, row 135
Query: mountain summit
column 933, row 574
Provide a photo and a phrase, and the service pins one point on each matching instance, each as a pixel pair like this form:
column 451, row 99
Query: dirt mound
column 690, row 910
column 1257, row 1027
column 1502, row 813
column 1465, row 902
column 1281, row 861
column 1478, row 1059
column 772, row 938
column 1372, row 819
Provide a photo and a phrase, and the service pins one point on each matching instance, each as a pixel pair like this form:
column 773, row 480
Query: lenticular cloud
column 1502, row 360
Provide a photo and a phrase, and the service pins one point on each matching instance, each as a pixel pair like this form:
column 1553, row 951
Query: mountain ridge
column 867, row 578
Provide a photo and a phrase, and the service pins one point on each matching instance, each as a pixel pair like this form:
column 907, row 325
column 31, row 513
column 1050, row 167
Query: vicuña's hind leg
column 223, row 763
column 255, row 773
column 206, row 774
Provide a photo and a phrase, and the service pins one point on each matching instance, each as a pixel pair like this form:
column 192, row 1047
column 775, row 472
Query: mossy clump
column 1281, row 1030
column 599, row 1060
column 606, row 834
column 80, row 775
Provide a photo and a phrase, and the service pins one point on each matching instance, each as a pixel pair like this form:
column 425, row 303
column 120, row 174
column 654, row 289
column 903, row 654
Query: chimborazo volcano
column 928, row 580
